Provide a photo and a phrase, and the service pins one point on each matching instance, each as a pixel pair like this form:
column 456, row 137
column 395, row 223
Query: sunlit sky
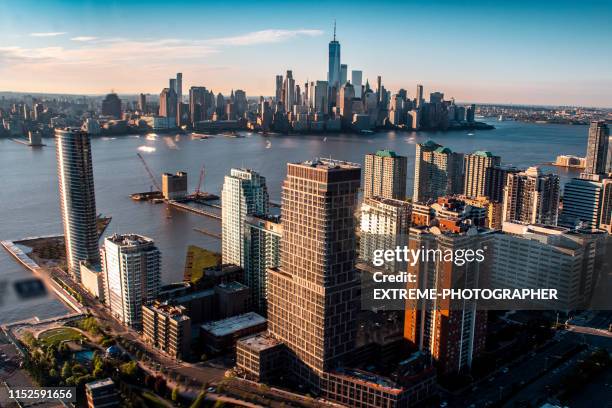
column 551, row 52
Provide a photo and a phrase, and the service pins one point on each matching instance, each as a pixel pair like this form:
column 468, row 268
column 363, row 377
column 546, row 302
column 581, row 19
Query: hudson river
column 29, row 204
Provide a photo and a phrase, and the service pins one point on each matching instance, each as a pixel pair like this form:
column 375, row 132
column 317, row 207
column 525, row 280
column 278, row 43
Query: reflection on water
column 29, row 202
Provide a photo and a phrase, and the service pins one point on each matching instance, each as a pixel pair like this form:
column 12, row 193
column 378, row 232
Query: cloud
column 52, row 34
column 264, row 37
column 83, row 38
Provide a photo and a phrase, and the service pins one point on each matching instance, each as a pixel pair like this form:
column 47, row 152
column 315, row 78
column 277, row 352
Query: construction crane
column 200, row 181
column 151, row 176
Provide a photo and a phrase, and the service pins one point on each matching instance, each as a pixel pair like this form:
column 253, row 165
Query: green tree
column 199, row 401
column 66, row 370
column 175, row 394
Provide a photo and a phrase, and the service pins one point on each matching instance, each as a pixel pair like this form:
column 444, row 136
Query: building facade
column 132, row 271
column 438, row 171
column 385, row 175
column 597, row 148
column 531, row 197
column 244, row 193
column 77, row 198
column 167, row 328
column 476, row 165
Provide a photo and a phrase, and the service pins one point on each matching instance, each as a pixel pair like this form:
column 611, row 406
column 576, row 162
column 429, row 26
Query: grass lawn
column 59, row 335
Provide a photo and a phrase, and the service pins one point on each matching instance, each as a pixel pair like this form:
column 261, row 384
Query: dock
column 192, row 209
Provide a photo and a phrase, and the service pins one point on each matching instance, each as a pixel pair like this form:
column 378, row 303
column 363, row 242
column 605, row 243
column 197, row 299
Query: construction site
column 173, row 191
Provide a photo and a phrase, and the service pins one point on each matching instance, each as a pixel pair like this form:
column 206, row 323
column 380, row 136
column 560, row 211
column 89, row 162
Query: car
column 505, row 370
column 443, row 404
column 211, row 389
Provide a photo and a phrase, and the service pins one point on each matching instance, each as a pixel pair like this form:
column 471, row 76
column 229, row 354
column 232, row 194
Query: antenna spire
column 334, row 29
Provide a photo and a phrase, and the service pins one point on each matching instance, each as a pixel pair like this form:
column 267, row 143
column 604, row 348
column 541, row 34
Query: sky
column 523, row 52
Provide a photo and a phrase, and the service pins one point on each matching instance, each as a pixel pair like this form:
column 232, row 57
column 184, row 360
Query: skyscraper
column 244, row 193
column 384, row 224
column 597, row 148
column 142, row 103
column 263, row 236
column 582, row 203
column 197, row 104
column 132, row 268
column 312, row 296
column 343, row 74
column 289, row 92
column 168, row 103
column 438, row 171
column 77, row 198
column 531, row 197
column 356, row 80
column 111, row 106
column 279, row 88
column 605, row 221
column 419, row 96
column 179, row 87
column 333, row 71
column 476, row 165
column 451, row 332
column 385, row 175
column 321, row 101
column 495, row 181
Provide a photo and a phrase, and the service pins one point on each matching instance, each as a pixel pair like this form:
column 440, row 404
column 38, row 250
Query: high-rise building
column 168, row 103
column 597, row 148
column 438, row 171
column 536, row 256
column 385, row 175
column 312, row 296
column 77, row 198
column 179, row 87
column 356, row 80
column 279, row 88
column 384, row 224
column 321, row 102
column 240, row 102
column 244, row 193
column 531, row 197
column 343, row 74
column 475, row 168
column 142, row 103
column 333, row 70
column 263, row 236
column 495, row 181
column 111, row 106
column 419, row 96
column 289, row 92
column 582, row 202
column 132, row 270
column 198, row 109
column 451, row 332
column 605, row 221
column 345, row 100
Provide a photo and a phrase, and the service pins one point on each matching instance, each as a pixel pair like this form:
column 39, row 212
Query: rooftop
column 233, row 324
column 329, row 163
column 106, row 382
column 129, row 239
column 386, row 153
column 232, row 286
column 259, row 342
column 483, row 153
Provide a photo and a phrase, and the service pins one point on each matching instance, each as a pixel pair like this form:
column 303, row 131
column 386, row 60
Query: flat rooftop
column 106, row 382
column 233, row 286
column 129, row 239
column 233, row 324
column 259, row 342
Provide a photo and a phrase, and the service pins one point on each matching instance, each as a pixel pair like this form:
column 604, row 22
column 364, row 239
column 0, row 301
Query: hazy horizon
column 521, row 53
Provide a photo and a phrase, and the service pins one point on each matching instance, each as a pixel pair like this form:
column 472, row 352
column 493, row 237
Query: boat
column 366, row 132
column 268, row 144
column 470, row 134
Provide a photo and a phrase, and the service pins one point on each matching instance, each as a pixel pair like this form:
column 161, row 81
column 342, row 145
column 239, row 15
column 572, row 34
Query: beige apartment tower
column 385, row 175
column 475, row 167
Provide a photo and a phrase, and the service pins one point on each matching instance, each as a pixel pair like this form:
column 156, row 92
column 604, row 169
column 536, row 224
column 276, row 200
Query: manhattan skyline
column 477, row 52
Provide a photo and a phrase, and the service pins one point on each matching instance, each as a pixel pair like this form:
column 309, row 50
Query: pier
column 192, row 209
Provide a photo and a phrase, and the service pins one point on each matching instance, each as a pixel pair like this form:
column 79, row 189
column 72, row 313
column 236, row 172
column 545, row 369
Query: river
column 29, row 203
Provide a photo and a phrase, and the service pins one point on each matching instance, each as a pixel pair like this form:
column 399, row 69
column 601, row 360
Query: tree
column 175, row 394
column 129, row 369
column 66, row 370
